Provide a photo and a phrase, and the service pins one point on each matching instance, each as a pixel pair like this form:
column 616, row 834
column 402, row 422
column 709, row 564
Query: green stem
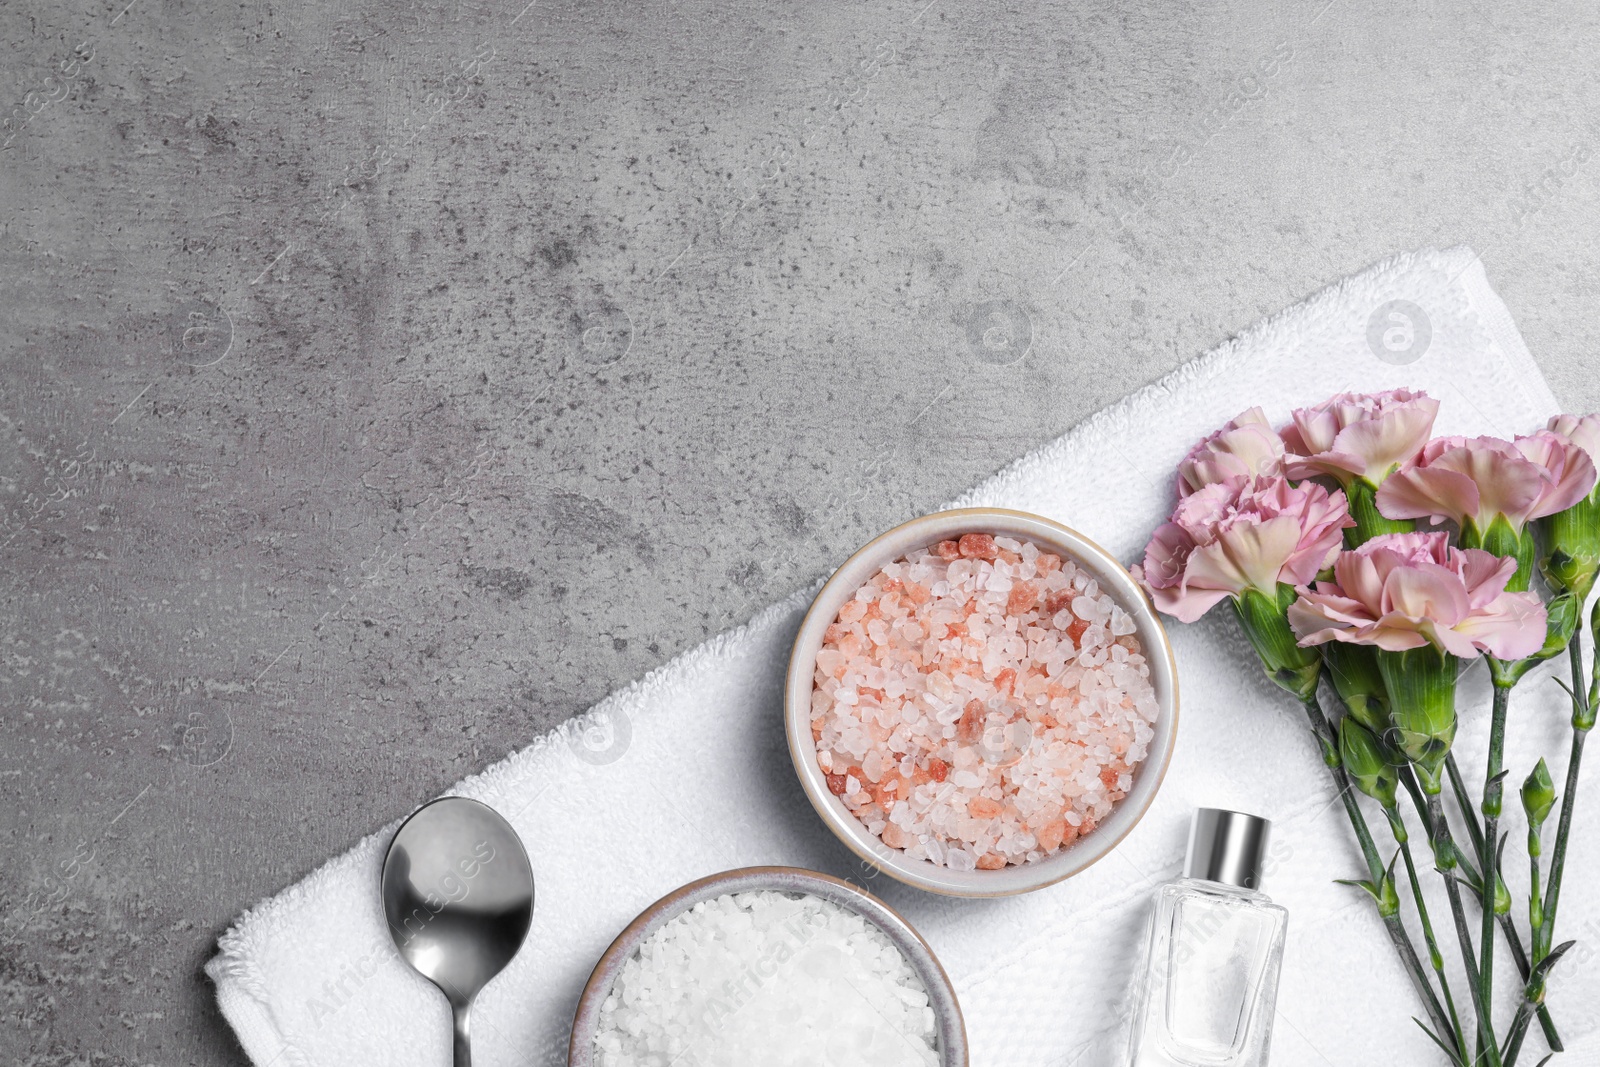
column 1488, row 859
column 1519, row 956
column 1582, row 723
column 1558, row 854
column 1323, row 733
column 1409, row 780
column 1375, row 868
column 1519, row 953
column 1532, row 997
column 1444, row 851
column 1435, row 957
column 1519, row 1030
column 1469, row 810
column 1535, row 904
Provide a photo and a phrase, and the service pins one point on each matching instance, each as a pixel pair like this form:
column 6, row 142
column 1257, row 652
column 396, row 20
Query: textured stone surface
column 383, row 383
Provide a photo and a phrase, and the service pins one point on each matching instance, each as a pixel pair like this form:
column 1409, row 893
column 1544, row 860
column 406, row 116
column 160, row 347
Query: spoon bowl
column 458, row 897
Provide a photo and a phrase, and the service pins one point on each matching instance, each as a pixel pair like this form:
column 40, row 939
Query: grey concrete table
column 383, row 383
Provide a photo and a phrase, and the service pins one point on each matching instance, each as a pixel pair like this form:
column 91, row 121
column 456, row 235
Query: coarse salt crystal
column 770, row 978
column 1015, row 679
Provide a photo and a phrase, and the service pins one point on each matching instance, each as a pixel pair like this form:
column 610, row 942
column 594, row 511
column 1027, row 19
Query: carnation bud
column 1353, row 670
column 1538, row 794
column 1367, row 760
column 1421, row 683
column 1572, row 547
column 1572, row 537
column 1265, row 623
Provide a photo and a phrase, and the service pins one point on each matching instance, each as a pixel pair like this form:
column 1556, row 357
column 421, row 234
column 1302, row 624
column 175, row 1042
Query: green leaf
column 1534, row 990
column 1583, row 712
column 1532, row 998
column 1455, row 1057
column 1492, row 795
column 1389, row 895
column 1502, row 895
column 1384, row 894
column 1371, row 890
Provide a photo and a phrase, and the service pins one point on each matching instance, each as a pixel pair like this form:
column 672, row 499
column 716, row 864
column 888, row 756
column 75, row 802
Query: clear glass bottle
column 1210, row 979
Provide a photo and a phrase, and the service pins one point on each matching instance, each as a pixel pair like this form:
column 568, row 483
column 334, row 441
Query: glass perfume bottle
column 1210, row 979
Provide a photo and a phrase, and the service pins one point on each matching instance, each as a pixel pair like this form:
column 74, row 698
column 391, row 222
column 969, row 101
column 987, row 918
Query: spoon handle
column 463, row 1041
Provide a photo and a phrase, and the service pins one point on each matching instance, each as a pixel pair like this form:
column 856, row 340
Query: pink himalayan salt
column 981, row 703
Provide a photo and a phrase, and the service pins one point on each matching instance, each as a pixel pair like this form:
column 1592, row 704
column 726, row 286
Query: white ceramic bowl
column 922, row 533
column 951, row 1030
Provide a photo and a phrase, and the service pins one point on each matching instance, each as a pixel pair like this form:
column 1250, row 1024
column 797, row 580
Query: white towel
column 686, row 773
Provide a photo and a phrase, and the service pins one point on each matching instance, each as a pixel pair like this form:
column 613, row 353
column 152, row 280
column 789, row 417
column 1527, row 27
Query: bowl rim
column 948, row 1020
column 852, row 833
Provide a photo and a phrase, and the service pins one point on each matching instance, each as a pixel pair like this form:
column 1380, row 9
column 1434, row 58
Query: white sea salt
column 771, row 978
column 981, row 703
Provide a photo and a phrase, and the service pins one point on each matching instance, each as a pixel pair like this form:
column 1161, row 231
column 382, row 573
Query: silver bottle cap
column 1227, row 847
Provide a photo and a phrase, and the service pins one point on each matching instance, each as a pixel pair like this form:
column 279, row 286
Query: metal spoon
column 458, row 895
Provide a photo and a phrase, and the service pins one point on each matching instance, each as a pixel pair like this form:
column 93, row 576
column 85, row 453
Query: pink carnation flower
column 1401, row 591
column 1474, row 480
column 1580, row 430
column 1245, row 533
column 1356, row 435
column 1247, row 446
column 1571, row 538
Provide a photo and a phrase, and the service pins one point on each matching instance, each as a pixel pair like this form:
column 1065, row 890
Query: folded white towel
column 686, row 773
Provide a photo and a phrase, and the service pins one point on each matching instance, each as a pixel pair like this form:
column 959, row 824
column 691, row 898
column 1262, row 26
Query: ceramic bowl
column 922, row 533
column 952, row 1034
